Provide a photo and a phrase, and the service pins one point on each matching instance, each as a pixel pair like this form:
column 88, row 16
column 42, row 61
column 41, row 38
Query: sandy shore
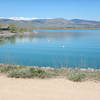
column 47, row 89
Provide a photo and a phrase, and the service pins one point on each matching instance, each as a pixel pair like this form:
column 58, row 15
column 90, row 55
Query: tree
column 1, row 25
column 12, row 28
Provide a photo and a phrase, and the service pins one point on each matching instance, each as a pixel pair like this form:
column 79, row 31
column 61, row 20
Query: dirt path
column 47, row 89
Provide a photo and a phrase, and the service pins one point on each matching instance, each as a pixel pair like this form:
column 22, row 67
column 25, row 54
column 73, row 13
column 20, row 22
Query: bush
column 76, row 76
column 94, row 75
column 6, row 68
column 29, row 73
column 40, row 73
column 20, row 73
column 21, row 30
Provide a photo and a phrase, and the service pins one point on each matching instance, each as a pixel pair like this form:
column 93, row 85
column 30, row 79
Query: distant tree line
column 12, row 28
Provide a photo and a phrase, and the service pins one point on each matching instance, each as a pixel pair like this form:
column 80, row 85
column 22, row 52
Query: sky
column 69, row 9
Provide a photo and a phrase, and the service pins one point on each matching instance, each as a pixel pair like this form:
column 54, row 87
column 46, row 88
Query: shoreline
column 31, row 72
column 67, row 28
column 52, row 68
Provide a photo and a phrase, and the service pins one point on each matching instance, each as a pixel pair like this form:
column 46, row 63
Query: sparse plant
column 76, row 76
column 20, row 73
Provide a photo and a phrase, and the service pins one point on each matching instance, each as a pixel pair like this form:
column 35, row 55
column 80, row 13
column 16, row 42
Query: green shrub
column 21, row 30
column 29, row 73
column 95, row 75
column 40, row 73
column 76, row 76
column 20, row 73
column 4, row 69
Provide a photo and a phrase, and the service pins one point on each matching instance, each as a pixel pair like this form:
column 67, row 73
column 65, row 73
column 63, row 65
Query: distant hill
column 50, row 22
column 86, row 22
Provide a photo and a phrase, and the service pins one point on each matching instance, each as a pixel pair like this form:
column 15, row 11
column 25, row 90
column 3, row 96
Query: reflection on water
column 60, row 48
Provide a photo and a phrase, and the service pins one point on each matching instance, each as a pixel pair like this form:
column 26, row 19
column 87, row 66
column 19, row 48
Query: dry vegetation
column 16, row 71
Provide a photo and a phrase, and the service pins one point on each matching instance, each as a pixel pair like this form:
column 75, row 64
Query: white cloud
column 22, row 18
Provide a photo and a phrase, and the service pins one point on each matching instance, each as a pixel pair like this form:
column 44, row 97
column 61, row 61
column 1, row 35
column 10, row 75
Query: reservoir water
column 53, row 48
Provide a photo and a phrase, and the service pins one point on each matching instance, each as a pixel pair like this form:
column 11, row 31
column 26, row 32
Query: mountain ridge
column 49, row 22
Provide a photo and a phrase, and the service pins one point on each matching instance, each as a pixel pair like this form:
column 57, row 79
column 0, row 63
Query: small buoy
column 48, row 40
column 62, row 46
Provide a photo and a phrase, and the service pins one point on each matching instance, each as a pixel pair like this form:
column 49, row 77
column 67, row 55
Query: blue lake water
column 54, row 48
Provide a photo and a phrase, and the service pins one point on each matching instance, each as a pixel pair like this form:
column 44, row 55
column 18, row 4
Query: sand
column 47, row 89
